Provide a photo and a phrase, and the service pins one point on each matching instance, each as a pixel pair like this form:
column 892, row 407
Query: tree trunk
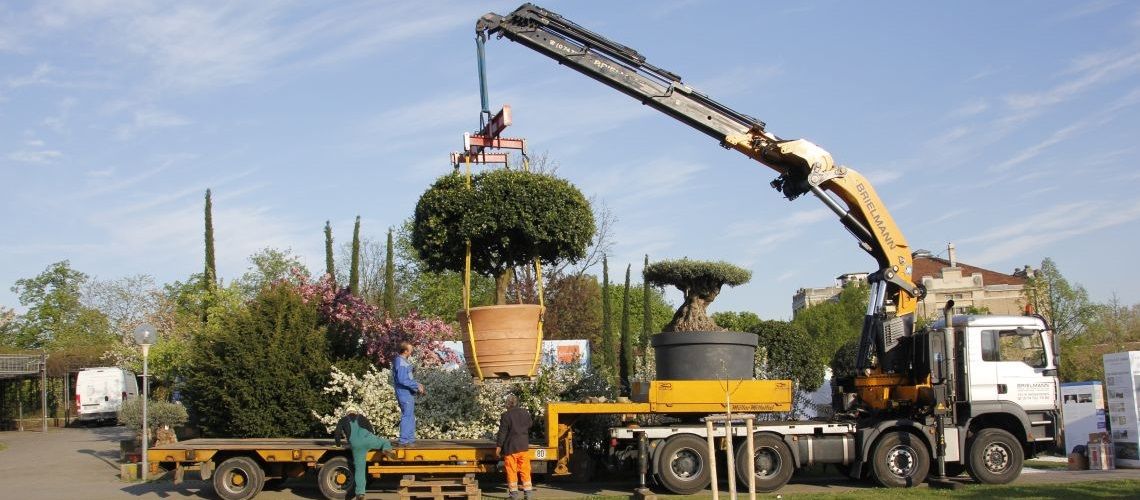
column 502, row 282
column 692, row 316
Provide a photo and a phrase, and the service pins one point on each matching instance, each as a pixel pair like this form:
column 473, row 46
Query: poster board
column 1122, row 383
column 1082, row 407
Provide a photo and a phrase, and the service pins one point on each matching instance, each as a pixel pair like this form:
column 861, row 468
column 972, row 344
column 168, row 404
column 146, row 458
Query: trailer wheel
column 684, row 464
column 900, row 459
column 238, row 478
column 334, row 478
column 995, row 457
column 773, row 463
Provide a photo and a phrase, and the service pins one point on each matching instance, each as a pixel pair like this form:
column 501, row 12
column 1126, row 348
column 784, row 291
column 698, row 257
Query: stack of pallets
column 466, row 488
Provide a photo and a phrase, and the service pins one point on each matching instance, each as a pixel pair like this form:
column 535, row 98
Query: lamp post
column 145, row 335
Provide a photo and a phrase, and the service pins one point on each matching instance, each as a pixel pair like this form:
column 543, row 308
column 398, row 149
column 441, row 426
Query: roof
column 932, row 266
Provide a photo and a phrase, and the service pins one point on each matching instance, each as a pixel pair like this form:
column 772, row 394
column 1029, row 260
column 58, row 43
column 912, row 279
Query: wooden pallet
column 466, row 488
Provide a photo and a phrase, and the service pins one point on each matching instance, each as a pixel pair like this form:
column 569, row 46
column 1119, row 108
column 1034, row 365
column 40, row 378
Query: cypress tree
column 354, row 271
column 609, row 357
column 210, row 276
column 330, row 268
column 626, row 361
column 390, row 277
column 646, row 319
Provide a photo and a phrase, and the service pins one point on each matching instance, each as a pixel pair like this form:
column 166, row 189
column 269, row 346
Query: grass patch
column 3, row 447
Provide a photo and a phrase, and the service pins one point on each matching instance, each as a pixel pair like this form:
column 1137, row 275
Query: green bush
column 158, row 414
column 259, row 370
column 510, row 217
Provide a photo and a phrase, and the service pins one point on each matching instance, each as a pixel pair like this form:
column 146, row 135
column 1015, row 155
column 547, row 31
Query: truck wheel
column 238, row 478
column 995, row 457
column 900, row 460
column 683, row 466
column 773, row 463
column 334, row 478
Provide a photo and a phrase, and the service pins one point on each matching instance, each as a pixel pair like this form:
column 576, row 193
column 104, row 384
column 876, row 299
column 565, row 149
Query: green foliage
column 1112, row 328
column 434, row 294
column 389, row 276
column 608, row 354
column 1066, row 306
column 685, row 274
column 831, row 324
column 510, row 218
column 786, row 352
column 646, row 318
column 330, row 266
column 260, row 370
column 354, row 269
column 210, row 275
column 742, row 321
column 574, row 309
column 268, row 266
column 843, row 361
column 55, row 317
column 158, row 414
column 627, row 342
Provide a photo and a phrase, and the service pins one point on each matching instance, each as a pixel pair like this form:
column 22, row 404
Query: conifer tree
column 390, row 277
column 646, row 319
column 609, row 354
column 210, row 276
column 626, row 358
column 330, row 268
column 354, row 271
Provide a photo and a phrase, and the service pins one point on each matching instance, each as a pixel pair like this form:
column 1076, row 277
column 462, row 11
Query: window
column 1008, row 345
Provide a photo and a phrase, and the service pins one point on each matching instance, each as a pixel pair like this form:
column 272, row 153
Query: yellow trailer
column 240, row 468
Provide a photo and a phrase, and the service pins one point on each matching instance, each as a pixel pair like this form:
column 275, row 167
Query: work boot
column 531, row 494
column 515, row 495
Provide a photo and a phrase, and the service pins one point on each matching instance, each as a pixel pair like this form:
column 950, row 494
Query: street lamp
column 145, row 335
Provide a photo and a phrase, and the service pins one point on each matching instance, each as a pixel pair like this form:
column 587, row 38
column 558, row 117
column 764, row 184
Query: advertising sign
column 1122, row 384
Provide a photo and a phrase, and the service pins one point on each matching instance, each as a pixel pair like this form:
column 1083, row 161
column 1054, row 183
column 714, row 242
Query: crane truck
column 969, row 392
column 974, row 393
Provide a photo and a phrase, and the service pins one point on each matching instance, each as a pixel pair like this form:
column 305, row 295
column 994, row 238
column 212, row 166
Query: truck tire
column 334, row 477
column 900, row 460
column 773, row 461
column 995, row 457
column 238, row 478
column 683, row 466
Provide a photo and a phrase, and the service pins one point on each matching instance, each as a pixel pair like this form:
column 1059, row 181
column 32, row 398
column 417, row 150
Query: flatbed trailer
column 240, row 468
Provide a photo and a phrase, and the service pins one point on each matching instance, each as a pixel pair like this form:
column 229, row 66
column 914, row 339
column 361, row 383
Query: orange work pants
column 518, row 464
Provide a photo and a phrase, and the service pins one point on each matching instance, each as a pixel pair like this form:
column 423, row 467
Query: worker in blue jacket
column 406, row 390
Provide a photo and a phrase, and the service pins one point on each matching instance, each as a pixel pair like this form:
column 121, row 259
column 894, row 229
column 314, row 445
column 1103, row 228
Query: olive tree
column 700, row 282
column 510, row 217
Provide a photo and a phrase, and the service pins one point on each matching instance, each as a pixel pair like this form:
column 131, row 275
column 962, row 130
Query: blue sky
column 1009, row 128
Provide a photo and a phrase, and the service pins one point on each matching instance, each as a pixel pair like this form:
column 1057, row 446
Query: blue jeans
column 407, row 420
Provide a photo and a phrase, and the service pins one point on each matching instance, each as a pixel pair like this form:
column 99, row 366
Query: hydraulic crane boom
column 802, row 166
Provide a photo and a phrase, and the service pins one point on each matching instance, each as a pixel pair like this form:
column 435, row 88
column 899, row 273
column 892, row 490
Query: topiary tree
column 510, row 217
column 700, row 281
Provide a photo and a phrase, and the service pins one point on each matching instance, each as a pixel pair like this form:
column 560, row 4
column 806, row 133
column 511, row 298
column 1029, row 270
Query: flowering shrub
column 355, row 324
column 454, row 407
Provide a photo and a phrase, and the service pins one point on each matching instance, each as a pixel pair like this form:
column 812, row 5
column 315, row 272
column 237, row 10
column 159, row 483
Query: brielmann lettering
column 874, row 216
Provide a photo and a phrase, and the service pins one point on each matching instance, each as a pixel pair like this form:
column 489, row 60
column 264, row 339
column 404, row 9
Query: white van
column 100, row 392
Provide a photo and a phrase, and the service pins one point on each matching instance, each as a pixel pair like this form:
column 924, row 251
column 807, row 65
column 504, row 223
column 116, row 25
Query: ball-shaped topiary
column 701, row 282
column 510, row 217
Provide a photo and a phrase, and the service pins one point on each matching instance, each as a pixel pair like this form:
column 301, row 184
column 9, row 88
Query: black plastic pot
column 705, row 355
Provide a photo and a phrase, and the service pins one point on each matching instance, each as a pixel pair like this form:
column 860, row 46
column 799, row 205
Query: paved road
column 82, row 464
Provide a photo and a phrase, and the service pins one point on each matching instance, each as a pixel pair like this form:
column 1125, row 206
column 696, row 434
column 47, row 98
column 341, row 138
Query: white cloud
column 35, row 152
column 761, row 236
column 144, row 120
column 1034, row 150
column 970, row 109
column 738, row 80
column 656, row 179
column 1093, row 70
column 38, row 76
column 1031, row 234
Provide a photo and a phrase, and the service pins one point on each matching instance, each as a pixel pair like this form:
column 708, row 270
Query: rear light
column 613, row 442
column 77, row 400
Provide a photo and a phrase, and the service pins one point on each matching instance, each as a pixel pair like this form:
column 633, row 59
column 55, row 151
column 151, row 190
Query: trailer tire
column 238, row 478
column 334, row 478
column 773, row 461
column 900, row 460
column 683, row 466
column 996, row 457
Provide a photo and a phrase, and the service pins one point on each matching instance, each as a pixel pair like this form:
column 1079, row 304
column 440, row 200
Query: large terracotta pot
column 507, row 340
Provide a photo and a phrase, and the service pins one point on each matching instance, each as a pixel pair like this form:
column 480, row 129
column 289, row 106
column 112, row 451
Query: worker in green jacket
column 361, row 437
